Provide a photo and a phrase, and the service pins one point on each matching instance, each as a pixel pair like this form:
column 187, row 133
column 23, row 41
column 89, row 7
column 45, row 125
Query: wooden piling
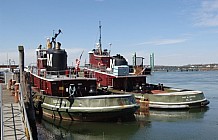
column 21, row 62
column 23, row 80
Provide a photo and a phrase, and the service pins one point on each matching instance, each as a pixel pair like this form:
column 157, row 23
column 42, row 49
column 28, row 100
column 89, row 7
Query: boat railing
column 61, row 74
column 99, row 68
column 69, row 73
column 132, row 69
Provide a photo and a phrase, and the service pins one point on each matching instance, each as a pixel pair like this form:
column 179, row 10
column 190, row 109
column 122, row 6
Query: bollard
column 16, row 90
column 9, row 84
column 146, row 107
column 12, row 93
column 12, row 87
column 12, row 84
column 16, row 97
column 146, row 103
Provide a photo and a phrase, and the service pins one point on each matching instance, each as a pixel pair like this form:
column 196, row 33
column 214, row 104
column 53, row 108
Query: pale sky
column 178, row 32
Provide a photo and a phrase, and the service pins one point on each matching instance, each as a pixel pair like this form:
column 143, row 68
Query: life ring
column 72, row 90
column 99, row 64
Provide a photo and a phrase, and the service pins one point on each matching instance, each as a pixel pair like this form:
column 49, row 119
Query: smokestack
column 58, row 46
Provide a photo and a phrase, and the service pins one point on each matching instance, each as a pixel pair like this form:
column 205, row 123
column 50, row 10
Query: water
column 198, row 124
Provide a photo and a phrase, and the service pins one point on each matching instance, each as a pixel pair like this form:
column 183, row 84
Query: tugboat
column 114, row 74
column 64, row 93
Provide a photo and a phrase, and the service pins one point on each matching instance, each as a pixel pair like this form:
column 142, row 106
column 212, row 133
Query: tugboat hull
column 173, row 100
column 90, row 108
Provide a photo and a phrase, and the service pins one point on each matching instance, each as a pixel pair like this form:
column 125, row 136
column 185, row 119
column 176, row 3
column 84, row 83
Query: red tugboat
column 65, row 93
column 114, row 74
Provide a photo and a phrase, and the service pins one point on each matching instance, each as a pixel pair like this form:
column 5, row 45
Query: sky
column 178, row 32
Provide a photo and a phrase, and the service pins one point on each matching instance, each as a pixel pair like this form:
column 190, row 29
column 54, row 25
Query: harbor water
column 191, row 124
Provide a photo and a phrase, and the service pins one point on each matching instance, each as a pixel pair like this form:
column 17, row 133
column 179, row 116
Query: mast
column 55, row 36
column 100, row 49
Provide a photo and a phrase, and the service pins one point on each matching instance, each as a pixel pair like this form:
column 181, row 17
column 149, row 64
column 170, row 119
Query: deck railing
column 70, row 73
column 24, row 113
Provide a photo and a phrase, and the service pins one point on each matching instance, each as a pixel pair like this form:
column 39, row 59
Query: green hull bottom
column 90, row 108
column 125, row 114
column 147, row 104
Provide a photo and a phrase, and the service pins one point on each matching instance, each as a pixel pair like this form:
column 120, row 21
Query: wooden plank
column 12, row 120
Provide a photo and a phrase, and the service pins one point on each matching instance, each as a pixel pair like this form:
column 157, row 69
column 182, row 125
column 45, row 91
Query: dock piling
column 24, row 81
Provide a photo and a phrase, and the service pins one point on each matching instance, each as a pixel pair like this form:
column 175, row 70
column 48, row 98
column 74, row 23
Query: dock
column 14, row 122
column 17, row 112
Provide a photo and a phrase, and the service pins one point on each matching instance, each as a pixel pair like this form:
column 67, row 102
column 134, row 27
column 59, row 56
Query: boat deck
column 167, row 91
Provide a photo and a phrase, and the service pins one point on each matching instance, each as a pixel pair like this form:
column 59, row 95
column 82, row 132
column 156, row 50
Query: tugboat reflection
column 71, row 130
column 170, row 115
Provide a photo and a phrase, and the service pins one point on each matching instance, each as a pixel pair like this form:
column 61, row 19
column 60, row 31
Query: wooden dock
column 12, row 121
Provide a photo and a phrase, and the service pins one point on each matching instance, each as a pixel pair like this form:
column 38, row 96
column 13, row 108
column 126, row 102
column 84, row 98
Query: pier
column 17, row 115
column 14, row 120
